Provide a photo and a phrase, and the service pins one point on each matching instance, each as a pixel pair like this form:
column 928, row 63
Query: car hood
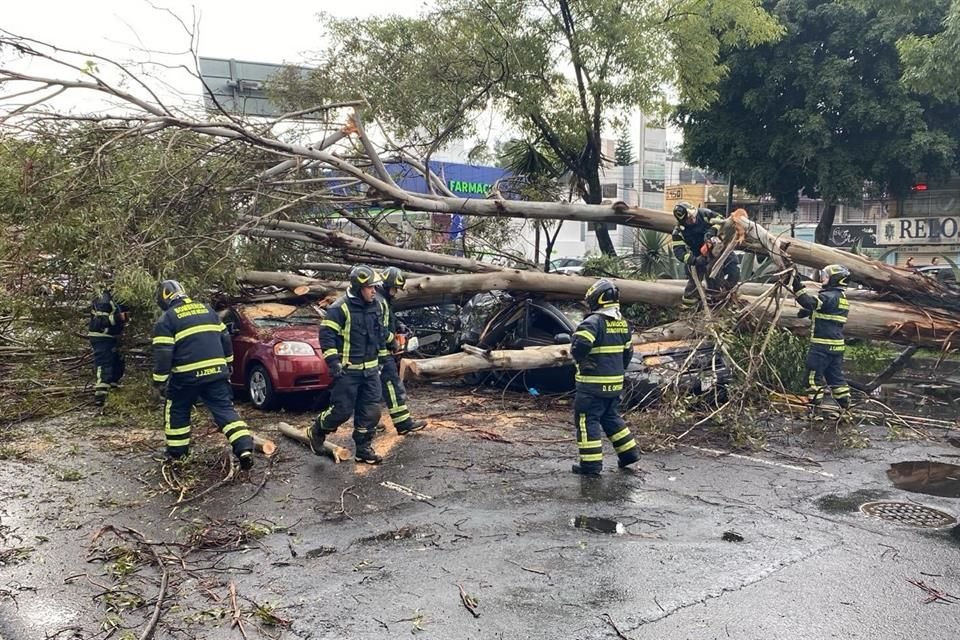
column 308, row 334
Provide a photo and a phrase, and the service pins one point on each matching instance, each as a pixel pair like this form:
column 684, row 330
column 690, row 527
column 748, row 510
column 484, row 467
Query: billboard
column 848, row 235
column 920, row 231
column 240, row 87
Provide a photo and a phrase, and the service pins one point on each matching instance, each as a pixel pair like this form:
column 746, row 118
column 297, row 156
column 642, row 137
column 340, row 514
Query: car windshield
column 273, row 315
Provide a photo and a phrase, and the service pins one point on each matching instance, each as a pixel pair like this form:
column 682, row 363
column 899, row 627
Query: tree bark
column 459, row 364
column 328, row 237
column 899, row 323
column 825, row 224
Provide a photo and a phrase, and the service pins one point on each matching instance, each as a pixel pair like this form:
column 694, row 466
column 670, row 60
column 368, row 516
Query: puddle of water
column 848, row 503
column 930, row 478
column 600, row 525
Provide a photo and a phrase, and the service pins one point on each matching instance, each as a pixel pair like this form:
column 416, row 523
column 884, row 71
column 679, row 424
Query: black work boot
column 628, row 458
column 315, row 438
column 246, row 459
column 365, row 453
column 583, row 470
column 410, row 426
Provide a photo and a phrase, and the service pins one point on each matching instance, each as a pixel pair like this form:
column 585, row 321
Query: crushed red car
column 276, row 351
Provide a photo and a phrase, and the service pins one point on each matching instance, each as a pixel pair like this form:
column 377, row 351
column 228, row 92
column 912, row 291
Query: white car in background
column 571, row 266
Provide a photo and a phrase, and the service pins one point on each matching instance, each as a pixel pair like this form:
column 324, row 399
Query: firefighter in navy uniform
column 391, row 387
column 696, row 231
column 192, row 358
column 828, row 310
column 107, row 319
column 602, row 348
column 353, row 339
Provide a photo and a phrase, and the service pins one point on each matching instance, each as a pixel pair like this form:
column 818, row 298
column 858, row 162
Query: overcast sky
column 266, row 31
column 274, row 31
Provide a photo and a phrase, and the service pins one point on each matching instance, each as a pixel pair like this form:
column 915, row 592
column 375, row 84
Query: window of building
column 608, row 190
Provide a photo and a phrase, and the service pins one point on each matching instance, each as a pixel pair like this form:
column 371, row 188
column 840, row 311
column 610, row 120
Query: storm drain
column 914, row 515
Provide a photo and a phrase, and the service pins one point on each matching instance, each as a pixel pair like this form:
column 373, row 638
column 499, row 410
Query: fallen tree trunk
column 435, row 289
column 460, row 364
column 894, row 322
column 327, row 237
column 338, row 454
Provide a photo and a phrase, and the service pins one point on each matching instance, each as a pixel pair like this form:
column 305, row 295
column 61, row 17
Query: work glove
column 336, row 369
column 700, row 261
column 803, row 313
column 796, row 284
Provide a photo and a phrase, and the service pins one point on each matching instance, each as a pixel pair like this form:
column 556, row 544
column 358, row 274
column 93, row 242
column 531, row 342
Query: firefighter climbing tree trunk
column 825, row 224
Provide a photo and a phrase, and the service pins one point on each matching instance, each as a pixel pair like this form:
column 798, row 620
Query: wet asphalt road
column 383, row 552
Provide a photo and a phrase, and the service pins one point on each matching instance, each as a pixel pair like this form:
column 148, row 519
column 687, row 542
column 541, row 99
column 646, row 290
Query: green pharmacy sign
column 460, row 186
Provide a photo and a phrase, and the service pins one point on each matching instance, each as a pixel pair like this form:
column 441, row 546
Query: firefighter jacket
column 602, row 348
column 688, row 238
column 829, row 309
column 190, row 345
column 354, row 334
column 389, row 323
column 107, row 318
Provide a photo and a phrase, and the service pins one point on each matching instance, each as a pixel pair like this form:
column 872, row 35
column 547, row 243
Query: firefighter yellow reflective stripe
column 677, row 243
column 346, row 334
column 178, row 431
column 838, row 342
column 627, row 446
column 390, row 337
column 582, row 424
column 609, row 349
column 203, row 364
column 235, row 430
column 200, row 328
column 163, row 340
column 332, row 351
column 330, row 324
column 827, row 316
column 160, row 377
column 623, row 433
column 383, row 353
column 591, row 457
column 229, row 358
column 369, row 364
column 801, row 292
column 600, row 379
column 398, row 412
column 583, row 333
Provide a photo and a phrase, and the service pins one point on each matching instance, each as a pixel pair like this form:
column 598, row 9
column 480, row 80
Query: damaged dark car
column 503, row 321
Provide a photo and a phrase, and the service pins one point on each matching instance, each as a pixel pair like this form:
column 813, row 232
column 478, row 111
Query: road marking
column 771, row 463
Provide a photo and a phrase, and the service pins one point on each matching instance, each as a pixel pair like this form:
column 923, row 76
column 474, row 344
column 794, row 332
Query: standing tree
column 623, row 154
column 823, row 111
column 556, row 70
column 931, row 61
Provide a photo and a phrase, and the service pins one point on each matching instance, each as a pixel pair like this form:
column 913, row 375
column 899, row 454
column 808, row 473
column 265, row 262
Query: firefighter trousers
column 218, row 398
column 826, row 363
column 395, row 395
column 108, row 366
column 355, row 394
column 715, row 288
column 595, row 416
